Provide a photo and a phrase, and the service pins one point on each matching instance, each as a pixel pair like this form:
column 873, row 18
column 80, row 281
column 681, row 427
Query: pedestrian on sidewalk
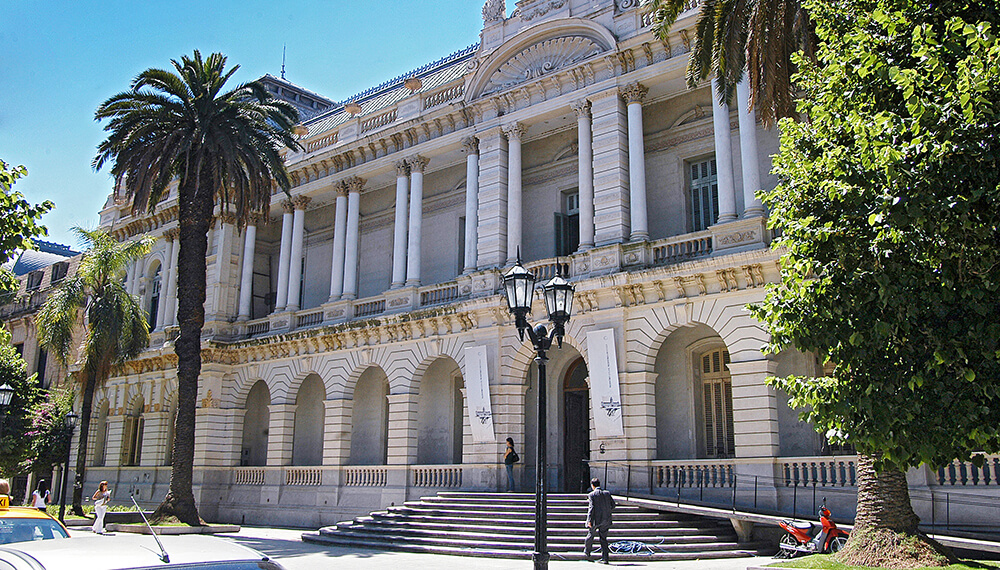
column 600, row 503
column 101, row 499
column 40, row 496
column 510, row 457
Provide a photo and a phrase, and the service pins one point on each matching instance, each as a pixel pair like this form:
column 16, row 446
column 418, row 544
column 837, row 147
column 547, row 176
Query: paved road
column 285, row 546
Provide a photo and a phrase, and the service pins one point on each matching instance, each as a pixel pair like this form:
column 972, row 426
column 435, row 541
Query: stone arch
column 310, row 417
column 256, row 422
column 521, row 355
column 544, row 34
column 440, row 413
column 369, row 417
column 409, row 365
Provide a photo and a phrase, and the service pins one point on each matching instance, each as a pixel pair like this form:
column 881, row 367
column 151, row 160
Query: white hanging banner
column 605, row 393
column 477, row 392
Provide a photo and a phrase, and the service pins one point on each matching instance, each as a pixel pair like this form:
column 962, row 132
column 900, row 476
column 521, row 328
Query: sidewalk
column 285, row 546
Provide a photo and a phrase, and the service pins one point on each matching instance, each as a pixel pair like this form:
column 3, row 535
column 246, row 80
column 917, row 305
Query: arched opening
column 255, row 425
column 307, row 440
column 694, row 396
column 370, row 418
column 576, row 427
column 440, row 414
column 156, row 283
column 100, row 437
column 132, row 433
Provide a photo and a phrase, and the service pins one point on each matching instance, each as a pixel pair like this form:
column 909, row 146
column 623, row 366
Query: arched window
column 255, row 425
column 101, row 435
column 154, row 298
column 717, row 393
column 132, row 434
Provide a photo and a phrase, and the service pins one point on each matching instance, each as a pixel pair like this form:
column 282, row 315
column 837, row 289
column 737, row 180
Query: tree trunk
column 194, row 219
column 89, row 387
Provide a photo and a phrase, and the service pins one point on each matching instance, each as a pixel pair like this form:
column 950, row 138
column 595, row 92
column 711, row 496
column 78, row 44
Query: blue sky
column 60, row 59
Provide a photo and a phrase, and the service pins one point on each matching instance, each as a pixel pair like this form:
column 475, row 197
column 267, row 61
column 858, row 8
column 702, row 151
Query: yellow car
column 21, row 524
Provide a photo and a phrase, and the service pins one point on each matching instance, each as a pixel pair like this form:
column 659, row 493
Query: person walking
column 40, row 496
column 600, row 503
column 510, row 457
column 101, row 499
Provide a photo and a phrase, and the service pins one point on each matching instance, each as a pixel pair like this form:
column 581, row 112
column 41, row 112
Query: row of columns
column 166, row 308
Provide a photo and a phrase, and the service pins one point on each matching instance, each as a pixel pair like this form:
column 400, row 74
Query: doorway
column 576, row 428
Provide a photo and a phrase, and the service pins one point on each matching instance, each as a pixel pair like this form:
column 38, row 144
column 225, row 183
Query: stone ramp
column 501, row 525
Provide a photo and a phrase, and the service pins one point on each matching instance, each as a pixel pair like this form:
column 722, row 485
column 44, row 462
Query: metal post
column 541, row 556
column 736, row 481
column 755, row 492
column 65, row 476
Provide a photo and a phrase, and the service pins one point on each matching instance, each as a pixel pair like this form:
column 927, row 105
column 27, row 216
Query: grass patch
column 824, row 562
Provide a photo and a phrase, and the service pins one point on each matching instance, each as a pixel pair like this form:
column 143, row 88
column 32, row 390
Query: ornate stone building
column 334, row 370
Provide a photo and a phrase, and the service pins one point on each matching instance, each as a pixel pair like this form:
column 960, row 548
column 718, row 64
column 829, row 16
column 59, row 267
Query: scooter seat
column 802, row 525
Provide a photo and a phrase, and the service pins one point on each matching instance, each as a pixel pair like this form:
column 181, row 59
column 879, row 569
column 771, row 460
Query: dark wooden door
column 576, row 441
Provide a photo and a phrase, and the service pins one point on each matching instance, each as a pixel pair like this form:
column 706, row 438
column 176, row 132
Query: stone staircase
column 501, row 525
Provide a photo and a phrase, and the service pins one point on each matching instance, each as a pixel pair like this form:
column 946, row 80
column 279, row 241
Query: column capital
column 288, row 206
column 256, row 218
column 470, row 145
column 300, row 202
column 581, row 107
column 634, row 92
column 417, row 163
column 228, row 218
column 402, row 169
column 354, row 184
column 341, row 189
column 172, row 234
column 514, row 131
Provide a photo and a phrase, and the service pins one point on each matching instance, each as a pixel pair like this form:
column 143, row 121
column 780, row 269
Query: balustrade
column 302, row 476
column 369, row 308
column 322, row 142
column 546, row 269
column 682, row 248
column 374, row 476
column 436, row 476
column 444, row 96
column 693, row 474
column 248, row 476
column 258, row 328
column 820, row 472
column 439, row 294
column 309, row 319
column 965, row 473
column 378, row 121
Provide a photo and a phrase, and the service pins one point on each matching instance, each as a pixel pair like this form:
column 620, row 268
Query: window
column 132, row 436
column 59, row 271
column 43, row 359
column 154, row 298
column 704, row 194
column 35, row 280
column 567, row 225
column 717, row 390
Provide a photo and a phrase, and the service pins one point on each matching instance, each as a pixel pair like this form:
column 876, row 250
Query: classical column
column 222, row 286
column 471, row 146
column 752, row 207
column 633, row 93
column 354, row 185
column 586, row 173
column 295, row 258
column 491, row 239
column 284, row 253
column 339, row 243
column 514, row 132
column 417, row 165
column 171, row 315
column 161, row 304
column 399, row 233
column 723, row 157
column 610, row 144
column 246, row 275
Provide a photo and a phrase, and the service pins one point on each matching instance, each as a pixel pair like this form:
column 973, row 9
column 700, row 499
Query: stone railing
column 248, row 476
column 695, row 473
column 309, row 319
column 682, row 248
column 436, row 476
column 444, row 96
column 24, row 304
column 820, row 471
column 436, row 294
column 374, row 476
column 378, row 121
column 545, row 269
column 259, row 327
column 322, row 142
column 303, row 476
column 369, row 308
column 966, row 474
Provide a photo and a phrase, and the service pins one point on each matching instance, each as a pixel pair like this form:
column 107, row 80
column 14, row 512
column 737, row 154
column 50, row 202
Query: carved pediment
column 541, row 58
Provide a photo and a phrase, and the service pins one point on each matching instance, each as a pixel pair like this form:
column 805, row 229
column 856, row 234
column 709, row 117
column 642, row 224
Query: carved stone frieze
column 542, row 8
column 540, row 59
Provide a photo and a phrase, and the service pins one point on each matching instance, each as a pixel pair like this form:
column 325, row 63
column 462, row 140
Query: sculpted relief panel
column 540, row 59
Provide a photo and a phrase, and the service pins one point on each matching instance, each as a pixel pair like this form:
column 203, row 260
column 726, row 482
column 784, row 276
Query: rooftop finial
column 494, row 10
column 282, row 61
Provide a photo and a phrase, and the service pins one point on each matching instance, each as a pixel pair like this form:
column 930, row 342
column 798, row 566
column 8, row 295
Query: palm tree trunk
column 89, row 386
column 194, row 219
column 883, row 499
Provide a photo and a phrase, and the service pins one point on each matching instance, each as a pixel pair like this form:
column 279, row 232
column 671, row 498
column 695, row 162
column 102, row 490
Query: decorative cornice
column 543, row 58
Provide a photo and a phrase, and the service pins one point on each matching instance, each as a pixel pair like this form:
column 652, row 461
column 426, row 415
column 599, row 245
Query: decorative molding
column 537, row 11
column 494, row 11
column 540, row 59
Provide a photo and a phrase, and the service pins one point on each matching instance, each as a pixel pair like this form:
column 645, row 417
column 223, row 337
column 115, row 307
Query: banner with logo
column 605, row 393
column 477, row 392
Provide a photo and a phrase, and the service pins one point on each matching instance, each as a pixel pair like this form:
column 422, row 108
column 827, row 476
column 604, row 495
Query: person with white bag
column 101, row 499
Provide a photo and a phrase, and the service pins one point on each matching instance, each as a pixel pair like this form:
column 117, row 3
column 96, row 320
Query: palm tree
column 115, row 323
column 758, row 36
column 222, row 147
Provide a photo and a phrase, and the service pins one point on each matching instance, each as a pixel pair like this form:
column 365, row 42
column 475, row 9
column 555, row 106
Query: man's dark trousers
column 599, row 506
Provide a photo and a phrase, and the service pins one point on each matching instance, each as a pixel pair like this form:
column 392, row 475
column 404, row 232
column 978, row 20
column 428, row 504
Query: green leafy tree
column 49, row 435
column 15, row 419
column 222, row 147
column 114, row 324
column 889, row 211
column 19, row 222
column 733, row 36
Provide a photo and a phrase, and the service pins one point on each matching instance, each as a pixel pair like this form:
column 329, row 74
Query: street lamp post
column 6, row 394
column 519, row 285
column 70, row 421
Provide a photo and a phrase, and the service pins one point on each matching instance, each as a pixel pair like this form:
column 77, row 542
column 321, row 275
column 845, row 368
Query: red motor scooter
column 803, row 539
